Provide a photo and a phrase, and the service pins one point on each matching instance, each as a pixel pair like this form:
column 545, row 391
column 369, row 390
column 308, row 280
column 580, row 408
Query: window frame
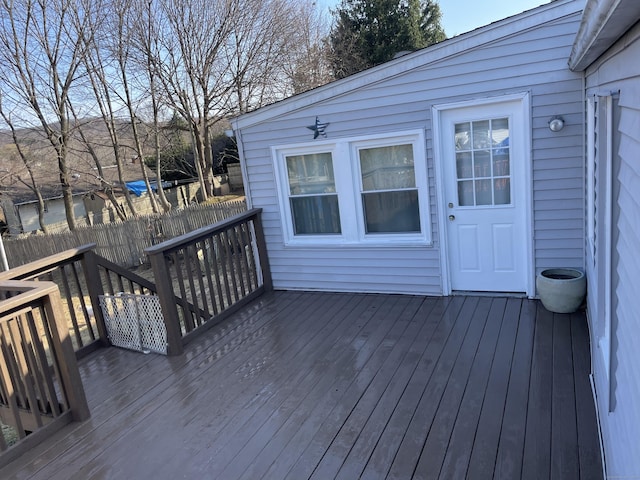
column 346, row 168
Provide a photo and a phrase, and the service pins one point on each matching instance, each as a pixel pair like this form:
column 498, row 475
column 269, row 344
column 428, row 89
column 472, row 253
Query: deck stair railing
column 50, row 308
column 40, row 385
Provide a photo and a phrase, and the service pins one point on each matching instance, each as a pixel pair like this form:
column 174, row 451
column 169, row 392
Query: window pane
column 502, row 191
column 315, row 215
column 391, row 212
column 387, row 168
column 481, row 137
column 482, row 161
column 465, row 193
column 483, row 192
column 463, row 165
column 500, row 164
column 309, row 174
column 500, row 132
column 463, row 136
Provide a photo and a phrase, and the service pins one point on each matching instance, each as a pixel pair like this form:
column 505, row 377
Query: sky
column 460, row 16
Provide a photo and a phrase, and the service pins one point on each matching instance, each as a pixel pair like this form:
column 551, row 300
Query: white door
column 484, row 161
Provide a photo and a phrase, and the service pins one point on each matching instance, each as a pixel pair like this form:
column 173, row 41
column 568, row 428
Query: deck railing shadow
column 198, row 279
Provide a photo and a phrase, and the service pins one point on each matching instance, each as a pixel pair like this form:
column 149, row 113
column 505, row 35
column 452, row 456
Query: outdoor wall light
column 556, row 124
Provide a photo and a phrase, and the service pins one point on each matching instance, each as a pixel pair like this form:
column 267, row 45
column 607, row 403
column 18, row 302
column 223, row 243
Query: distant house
column 26, row 213
column 469, row 167
column 91, row 204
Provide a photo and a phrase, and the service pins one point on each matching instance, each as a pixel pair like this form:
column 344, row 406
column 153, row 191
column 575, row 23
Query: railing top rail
column 45, row 264
column 30, row 291
column 203, row 232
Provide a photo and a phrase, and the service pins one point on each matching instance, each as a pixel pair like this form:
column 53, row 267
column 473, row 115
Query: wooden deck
column 318, row 385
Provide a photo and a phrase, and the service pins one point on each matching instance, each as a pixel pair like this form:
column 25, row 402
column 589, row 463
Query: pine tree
column 370, row 32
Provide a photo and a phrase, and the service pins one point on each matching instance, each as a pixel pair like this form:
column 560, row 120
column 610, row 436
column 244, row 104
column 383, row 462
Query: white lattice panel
column 134, row 322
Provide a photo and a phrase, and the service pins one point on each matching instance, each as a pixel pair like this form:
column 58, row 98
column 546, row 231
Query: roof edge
column 460, row 43
column 603, row 23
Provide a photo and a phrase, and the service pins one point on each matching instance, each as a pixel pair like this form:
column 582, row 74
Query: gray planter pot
column 561, row 290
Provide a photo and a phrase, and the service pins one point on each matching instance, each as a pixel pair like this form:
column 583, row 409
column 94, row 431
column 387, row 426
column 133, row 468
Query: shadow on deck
column 318, row 385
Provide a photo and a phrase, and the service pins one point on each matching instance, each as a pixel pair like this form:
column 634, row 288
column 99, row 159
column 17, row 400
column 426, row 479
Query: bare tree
column 308, row 66
column 26, row 161
column 106, row 186
column 67, row 60
column 191, row 37
column 43, row 44
column 259, row 46
column 143, row 35
column 106, row 101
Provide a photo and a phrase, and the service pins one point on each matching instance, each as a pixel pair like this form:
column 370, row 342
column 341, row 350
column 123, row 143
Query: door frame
column 437, row 111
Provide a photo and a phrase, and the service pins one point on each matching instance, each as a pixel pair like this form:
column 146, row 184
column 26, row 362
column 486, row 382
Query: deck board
column 319, row 385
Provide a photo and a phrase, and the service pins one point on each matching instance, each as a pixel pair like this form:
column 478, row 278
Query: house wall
column 54, row 214
column 618, row 389
column 525, row 54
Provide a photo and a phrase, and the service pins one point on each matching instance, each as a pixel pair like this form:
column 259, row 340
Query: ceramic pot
column 561, row 290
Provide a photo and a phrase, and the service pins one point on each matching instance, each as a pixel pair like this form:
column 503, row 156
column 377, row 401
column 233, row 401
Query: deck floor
column 318, row 385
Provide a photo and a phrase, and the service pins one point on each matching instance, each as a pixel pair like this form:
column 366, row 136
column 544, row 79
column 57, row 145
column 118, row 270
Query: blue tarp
column 138, row 187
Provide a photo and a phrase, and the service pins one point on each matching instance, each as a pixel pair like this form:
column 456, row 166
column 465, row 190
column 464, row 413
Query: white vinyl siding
column 618, row 383
column 526, row 53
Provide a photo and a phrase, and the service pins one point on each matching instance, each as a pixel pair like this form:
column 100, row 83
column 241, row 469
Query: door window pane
column 502, row 191
column 312, row 194
column 481, row 134
column 465, row 194
column 464, row 165
column 483, row 192
column 483, row 162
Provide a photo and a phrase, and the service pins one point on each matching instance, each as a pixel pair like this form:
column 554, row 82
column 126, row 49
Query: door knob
column 452, row 217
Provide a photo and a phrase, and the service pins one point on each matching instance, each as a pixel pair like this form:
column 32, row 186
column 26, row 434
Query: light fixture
column 556, row 124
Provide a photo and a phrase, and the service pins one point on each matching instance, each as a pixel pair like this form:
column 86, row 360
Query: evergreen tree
column 370, row 32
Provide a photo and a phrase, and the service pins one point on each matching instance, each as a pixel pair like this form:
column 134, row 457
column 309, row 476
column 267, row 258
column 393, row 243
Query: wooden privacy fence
column 40, row 385
column 122, row 243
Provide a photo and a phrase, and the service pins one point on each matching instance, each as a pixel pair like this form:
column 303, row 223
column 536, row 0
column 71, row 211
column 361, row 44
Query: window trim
column 348, row 188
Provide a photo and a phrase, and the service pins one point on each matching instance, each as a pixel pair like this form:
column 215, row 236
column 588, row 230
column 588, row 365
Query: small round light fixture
column 556, row 124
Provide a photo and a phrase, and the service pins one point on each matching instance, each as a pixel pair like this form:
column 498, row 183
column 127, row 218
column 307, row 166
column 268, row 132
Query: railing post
column 166, row 296
column 66, row 357
column 263, row 258
column 94, row 285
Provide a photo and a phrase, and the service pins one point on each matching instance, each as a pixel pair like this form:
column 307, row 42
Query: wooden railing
column 200, row 278
column 207, row 274
column 50, row 309
column 40, row 385
column 68, row 270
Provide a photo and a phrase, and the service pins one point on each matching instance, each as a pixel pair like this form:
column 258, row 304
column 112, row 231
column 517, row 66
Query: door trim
column 437, row 111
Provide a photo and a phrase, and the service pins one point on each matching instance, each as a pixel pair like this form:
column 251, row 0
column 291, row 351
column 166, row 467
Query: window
column 312, row 194
column 482, row 163
column 351, row 191
column 388, row 189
